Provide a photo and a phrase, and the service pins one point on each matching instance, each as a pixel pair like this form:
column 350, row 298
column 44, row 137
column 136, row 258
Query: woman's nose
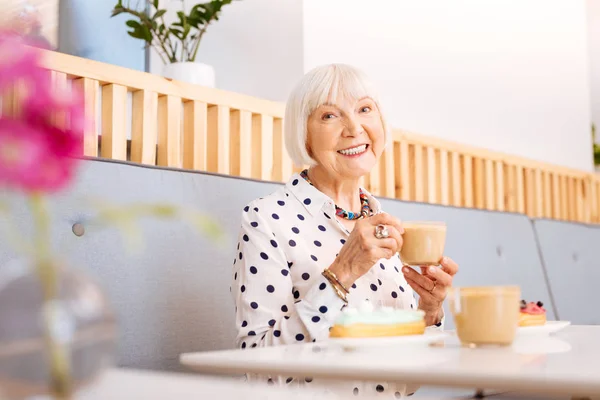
column 353, row 127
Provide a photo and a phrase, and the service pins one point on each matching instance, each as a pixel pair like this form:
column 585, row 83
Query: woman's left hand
column 431, row 285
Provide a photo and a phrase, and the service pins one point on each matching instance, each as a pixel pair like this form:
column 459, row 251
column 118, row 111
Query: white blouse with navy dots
column 286, row 241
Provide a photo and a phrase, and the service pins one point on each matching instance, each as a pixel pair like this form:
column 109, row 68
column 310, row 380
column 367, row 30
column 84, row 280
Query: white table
column 128, row 384
column 565, row 363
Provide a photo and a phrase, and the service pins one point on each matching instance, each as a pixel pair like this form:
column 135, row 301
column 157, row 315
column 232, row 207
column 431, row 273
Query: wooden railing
column 180, row 125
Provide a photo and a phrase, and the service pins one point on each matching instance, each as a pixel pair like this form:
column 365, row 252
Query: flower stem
column 60, row 367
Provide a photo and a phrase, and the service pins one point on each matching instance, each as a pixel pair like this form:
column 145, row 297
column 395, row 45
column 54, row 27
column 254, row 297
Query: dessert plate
column 546, row 329
column 355, row 343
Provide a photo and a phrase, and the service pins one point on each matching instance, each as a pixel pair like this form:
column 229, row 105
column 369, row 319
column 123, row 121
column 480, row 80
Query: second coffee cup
column 486, row 315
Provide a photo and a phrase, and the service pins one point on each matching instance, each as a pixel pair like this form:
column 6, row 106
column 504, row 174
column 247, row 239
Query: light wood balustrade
column 151, row 120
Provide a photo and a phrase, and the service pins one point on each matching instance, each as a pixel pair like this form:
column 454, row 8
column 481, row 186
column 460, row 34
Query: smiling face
column 347, row 137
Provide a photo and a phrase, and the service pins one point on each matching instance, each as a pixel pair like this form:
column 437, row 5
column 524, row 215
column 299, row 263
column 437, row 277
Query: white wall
column 509, row 75
column 593, row 12
column 255, row 47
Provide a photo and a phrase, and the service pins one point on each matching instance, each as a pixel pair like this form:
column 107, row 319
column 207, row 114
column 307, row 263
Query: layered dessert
column 532, row 314
column 367, row 322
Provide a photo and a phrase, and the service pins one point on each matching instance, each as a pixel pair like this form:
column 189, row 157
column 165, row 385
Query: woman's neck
column 344, row 192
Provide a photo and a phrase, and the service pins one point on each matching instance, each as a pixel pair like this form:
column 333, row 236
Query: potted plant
column 177, row 43
column 596, row 149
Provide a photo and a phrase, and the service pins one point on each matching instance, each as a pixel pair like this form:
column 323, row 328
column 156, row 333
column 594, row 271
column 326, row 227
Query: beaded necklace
column 339, row 211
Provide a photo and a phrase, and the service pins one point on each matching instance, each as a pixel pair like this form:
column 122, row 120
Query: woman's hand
column 362, row 249
column 431, row 286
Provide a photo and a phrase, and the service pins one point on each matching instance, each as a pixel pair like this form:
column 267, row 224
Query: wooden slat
column 581, row 214
column 217, row 151
column 169, row 131
column 479, row 182
column 490, row 198
column 538, row 196
column 60, row 84
column 529, row 192
column 195, row 132
column 547, row 183
column 432, row 196
column 499, row 187
column 564, row 197
column 373, row 179
column 595, row 200
column 456, row 180
column 144, row 129
column 572, row 199
column 556, row 197
column 388, row 173
column 90, row 91
column 419, row 174
column 403, row 179
column 444, row 178
column 587, row 201
column 114, row 122
column 520, row 172
column 241, row 143
column 511, row 188
column 468, row 181
column 282, row 169
column 262, row 145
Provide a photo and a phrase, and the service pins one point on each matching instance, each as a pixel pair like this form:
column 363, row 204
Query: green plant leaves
column 178, row 41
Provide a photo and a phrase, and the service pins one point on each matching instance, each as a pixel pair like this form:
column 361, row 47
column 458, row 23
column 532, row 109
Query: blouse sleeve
column 268, row 308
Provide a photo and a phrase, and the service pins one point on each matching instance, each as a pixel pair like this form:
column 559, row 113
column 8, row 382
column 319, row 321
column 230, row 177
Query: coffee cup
column 485, row 315
column 423, row 242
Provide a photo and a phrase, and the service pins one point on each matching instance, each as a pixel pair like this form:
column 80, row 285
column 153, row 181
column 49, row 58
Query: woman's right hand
column 362, row 249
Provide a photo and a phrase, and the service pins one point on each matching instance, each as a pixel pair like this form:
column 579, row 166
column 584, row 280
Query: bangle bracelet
column 337, row 288
column 328, row 273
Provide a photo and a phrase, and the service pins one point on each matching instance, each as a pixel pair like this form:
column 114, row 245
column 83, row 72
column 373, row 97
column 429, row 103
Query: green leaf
column 135, row 34
column 155, row 4
column 159, row 14
column 133, row 24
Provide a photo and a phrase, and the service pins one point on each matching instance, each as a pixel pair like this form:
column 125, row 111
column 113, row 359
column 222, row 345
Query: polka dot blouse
column 286, row 241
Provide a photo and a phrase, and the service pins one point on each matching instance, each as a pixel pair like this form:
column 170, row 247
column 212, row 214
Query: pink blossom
column 17, row 60
column 41, row 145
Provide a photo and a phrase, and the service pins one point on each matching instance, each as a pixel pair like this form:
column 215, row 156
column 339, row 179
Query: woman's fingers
column 423, row 281
column 449, row 266
column 441, row 276
column 386, row 219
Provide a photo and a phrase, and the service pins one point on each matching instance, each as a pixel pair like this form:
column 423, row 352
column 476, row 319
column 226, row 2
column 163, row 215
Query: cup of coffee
column 423, row 242
column 486, row 315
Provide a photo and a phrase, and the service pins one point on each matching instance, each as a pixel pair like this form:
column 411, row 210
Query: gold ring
column 433, row 288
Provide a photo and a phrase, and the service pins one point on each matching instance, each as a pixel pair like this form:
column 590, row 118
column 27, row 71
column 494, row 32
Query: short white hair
column 321, row 85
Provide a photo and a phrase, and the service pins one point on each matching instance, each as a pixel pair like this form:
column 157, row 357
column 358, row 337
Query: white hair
column 321, row 85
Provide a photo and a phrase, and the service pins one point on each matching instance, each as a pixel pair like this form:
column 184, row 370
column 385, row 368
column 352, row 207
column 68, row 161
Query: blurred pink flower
column 17, row 60
column 40, row 146
column 35, row 158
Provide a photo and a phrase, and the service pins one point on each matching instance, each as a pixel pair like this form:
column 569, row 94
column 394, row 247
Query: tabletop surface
column 131, row 384
column 565, row 362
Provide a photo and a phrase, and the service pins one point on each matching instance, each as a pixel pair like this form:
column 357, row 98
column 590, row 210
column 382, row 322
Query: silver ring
column 381, row 232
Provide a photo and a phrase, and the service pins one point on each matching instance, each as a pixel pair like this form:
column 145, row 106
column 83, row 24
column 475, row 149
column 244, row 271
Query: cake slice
column 367, row 322
column 532, row 314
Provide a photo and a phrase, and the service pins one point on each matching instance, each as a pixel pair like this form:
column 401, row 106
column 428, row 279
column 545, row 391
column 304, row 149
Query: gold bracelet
column 336, row 287
column 333, row 276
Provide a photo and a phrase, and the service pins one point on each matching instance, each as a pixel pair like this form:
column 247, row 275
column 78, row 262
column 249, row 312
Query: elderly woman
column 300, row 244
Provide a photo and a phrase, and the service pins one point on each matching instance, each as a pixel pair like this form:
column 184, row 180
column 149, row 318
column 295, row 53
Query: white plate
column 354, row 343
column 546, row 329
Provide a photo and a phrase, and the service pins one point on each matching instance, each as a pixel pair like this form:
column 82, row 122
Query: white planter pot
column 191, row 72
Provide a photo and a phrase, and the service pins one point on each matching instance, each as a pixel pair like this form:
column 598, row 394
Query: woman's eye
column 328, row 116
column 365, row 109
